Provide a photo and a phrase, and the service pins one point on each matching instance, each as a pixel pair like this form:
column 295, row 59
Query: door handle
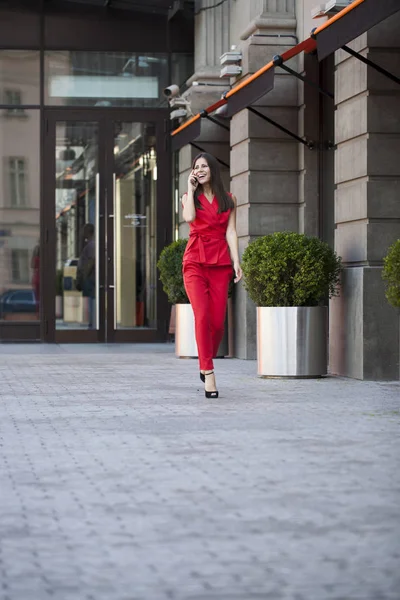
column 113, row 287
column 97, row 251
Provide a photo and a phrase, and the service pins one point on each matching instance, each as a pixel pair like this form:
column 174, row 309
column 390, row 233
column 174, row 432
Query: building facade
column 341, row 183
column 84, row 129
column 84, row 168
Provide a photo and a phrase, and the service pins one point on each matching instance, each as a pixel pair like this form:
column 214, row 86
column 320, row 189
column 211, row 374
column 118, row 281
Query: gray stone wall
column 349, row 197
column 364, row 332
column 264, row 160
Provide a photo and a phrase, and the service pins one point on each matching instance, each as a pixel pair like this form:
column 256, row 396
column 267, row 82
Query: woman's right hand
column 192, row 182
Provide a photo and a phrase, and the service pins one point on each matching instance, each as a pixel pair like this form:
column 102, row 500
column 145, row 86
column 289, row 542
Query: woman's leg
column 197, row 288
column 219, row 278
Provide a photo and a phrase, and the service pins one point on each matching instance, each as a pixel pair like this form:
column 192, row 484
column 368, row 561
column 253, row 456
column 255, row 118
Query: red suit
column 207, row 272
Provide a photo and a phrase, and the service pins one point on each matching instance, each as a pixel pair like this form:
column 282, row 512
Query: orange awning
column 246, row 92
column 351, row 22
column 262, row 81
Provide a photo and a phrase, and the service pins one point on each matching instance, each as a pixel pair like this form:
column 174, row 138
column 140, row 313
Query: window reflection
column 19, row 80
column 19, row 217
column 182, row 67
column 77, row 211
column 135, row 224
column 105, row 78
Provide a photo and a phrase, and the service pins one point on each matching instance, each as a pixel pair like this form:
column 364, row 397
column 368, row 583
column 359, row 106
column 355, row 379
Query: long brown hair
column 224, row 200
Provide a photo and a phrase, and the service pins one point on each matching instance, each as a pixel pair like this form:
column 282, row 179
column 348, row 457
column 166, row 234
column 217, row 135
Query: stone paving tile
column 120, row 481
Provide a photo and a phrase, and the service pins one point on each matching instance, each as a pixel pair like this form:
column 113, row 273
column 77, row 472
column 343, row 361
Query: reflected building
column 20, row 169
column 83, row 128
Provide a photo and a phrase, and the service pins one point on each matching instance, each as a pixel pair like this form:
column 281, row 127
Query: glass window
column 13, row 100
column 17, row 175
column 135, row 239
column 77, row 216
column 182, row 67
column 12, row 97
column 19, row 78
column 105, row 79
column 19, row 217
column 20, row 265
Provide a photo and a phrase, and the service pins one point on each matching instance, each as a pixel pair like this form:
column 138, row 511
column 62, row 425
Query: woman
column 211, row 251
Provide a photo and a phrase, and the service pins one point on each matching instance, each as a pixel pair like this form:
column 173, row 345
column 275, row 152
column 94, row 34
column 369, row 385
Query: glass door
column 78, row 203
column 132, row 227
column 105, row 228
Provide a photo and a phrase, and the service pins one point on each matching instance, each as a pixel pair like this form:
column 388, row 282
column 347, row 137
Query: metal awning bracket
column 204, row 114
column 278, row 62
column 371, row 64
column 202, row 150
column 309, row 143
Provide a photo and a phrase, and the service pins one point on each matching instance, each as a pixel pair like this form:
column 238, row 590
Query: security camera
column 171, row 91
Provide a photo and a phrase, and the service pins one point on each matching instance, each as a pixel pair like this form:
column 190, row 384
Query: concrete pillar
column 264, row 161
column 364, row 331
column 212, row 39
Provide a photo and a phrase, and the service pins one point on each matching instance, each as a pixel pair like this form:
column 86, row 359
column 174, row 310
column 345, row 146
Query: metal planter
column 185, row 340
column 292, row 341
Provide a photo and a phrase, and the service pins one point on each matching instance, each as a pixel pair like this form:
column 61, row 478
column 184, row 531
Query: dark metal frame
column 191, row 133
column 371, row 64
column 278, row 61
column 250, row 92
column 351, row 25
column 309, row 143
column 205, row 115
column 184, row 137
column 60, row 25
column 44, row 26
column 221, row 162
column 106, row 119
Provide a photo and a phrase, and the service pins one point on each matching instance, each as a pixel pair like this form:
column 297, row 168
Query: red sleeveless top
column 207, row 237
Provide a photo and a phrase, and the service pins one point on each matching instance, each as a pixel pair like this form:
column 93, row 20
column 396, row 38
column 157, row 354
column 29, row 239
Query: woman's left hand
column 238, row 272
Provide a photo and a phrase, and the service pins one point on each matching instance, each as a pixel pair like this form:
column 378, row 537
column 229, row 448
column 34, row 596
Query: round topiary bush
column 290, row 269
column 391, row 274
column 170, row 268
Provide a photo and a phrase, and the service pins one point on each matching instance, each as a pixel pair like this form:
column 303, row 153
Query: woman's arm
column 232, row 239
column 189, row 209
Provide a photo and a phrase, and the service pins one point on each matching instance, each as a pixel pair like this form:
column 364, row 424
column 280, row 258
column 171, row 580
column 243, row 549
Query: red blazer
column 207, row 238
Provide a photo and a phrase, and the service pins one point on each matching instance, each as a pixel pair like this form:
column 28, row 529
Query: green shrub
column 391, row 274
column 290, row 269
column 170, row 268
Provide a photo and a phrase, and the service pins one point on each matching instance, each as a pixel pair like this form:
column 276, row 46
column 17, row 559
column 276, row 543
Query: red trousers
column 207, row 290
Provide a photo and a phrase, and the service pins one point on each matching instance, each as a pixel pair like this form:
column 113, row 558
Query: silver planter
column 185, row 339
column 292, row 341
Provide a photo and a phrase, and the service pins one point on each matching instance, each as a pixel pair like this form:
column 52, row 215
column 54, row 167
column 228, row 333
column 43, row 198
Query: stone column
column 264, row 161
column 212, row 39
column 364, row 331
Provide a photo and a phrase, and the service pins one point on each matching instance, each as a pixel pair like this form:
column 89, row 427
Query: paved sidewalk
column 120, row 481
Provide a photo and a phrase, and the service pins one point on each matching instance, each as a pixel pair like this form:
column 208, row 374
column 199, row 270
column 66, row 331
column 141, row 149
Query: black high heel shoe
column 210, row 394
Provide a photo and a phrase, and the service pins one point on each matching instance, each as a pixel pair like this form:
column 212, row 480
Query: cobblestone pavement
column 120, row 481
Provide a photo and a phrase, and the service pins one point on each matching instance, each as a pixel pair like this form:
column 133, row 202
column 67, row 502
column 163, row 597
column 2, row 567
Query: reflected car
column 17, row 301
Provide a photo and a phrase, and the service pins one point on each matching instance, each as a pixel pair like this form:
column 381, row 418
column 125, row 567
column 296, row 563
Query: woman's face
column 202, row 171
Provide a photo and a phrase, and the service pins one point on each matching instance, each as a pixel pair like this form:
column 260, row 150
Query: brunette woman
column 210, row 254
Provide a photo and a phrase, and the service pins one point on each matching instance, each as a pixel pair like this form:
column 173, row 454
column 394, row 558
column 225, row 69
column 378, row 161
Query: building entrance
column 84, row 169
column 104, row 225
